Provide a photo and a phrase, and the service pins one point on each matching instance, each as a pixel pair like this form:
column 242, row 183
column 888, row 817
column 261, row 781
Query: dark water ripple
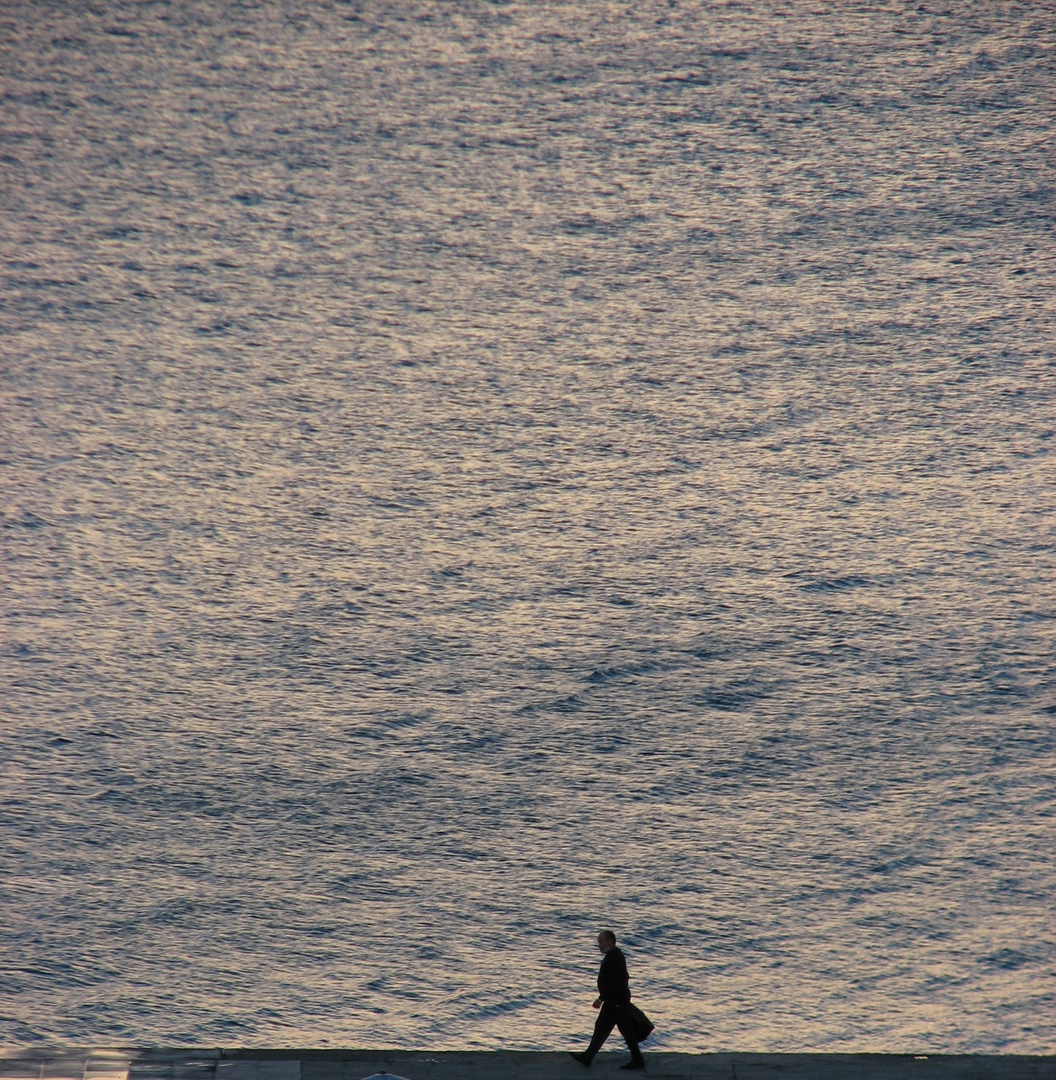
column 474, row 473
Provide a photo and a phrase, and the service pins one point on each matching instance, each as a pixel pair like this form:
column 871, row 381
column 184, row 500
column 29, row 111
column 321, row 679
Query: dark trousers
column 613, row 1016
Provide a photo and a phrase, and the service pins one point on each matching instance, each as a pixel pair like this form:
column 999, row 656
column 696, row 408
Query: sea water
column 478, row 473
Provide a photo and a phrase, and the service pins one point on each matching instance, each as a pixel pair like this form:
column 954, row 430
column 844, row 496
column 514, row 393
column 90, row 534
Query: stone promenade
column 217, row 1064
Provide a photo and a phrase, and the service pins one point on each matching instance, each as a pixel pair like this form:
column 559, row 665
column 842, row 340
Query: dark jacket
column 613, row 986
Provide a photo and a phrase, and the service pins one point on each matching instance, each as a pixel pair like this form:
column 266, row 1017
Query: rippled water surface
column 478, row 472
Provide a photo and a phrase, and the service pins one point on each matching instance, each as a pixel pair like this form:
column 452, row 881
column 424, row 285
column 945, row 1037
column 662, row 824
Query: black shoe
column 581, row 1058
column 632, row 1064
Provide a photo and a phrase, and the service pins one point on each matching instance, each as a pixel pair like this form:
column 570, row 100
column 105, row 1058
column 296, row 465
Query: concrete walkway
column 117, row 1064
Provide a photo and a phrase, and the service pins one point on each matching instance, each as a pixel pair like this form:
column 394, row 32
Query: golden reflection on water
column 474, row 476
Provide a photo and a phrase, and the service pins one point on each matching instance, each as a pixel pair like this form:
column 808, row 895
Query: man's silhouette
column 614, row 995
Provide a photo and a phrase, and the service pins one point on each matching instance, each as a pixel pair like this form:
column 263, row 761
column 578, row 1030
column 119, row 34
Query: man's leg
column 603, row 1026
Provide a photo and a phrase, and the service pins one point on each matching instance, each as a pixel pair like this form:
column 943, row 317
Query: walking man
column 614, row 997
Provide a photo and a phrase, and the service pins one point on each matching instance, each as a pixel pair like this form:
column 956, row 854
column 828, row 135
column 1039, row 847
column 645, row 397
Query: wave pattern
column 477, row 473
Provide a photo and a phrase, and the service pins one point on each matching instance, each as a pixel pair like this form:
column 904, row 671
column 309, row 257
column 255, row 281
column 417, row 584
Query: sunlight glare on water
column 477, row 473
